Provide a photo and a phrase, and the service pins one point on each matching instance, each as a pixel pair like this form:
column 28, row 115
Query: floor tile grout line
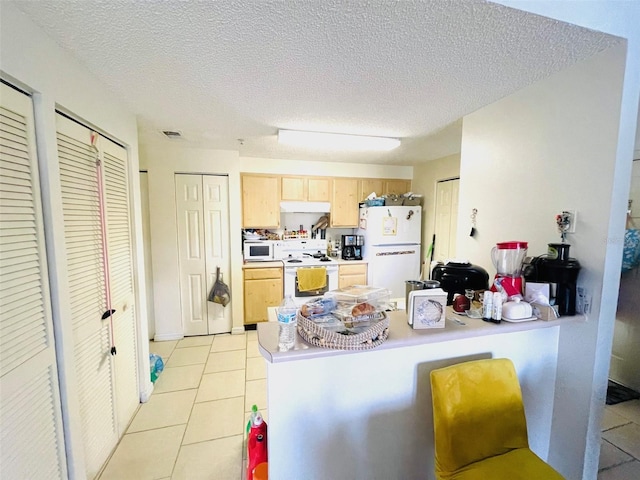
column 184, row 433
column 617, row 426
column 611, row 467
column 633, row 457
column 211, row 440
column 624, row 451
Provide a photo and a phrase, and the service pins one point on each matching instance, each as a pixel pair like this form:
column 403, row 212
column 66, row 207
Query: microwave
column 258, row 250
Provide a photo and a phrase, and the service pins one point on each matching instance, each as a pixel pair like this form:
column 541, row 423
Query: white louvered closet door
column 116, row 180
column 31, row 442
column 107, row 384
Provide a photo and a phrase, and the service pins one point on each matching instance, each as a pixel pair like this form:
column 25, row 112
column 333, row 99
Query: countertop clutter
column 279, row 263
column 401, row 334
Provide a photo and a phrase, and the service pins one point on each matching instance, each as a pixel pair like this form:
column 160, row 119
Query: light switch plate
column 573, row 219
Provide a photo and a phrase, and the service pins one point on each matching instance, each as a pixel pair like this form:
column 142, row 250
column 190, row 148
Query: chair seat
column 519, row 464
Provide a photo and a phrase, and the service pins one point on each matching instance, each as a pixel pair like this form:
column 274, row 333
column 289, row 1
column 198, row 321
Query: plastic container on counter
column 359, row 302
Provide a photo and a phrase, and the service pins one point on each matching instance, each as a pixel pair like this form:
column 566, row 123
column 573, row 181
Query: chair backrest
column 477, row 412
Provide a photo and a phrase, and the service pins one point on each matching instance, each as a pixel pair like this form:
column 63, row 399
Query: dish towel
column 311, row 278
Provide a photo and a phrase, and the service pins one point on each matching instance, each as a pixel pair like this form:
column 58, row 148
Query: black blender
column 561, row 273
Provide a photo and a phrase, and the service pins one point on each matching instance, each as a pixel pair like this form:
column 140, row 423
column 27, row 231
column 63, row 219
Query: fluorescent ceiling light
column 336, row 141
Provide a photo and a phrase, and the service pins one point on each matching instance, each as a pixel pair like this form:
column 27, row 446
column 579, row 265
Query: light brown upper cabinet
column 319, row 189
column 344, row 202
column 396, row 187
column 302, row 189
column 260, row 201
column 369, row 185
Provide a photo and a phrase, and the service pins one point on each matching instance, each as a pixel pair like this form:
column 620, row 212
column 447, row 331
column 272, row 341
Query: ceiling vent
column 172, row 134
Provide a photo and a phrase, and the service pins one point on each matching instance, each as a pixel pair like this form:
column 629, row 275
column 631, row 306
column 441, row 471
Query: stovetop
column 303, row 253
column 305, row 261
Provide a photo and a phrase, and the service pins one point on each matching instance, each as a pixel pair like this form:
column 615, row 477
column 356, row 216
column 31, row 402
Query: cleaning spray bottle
column 256, row 441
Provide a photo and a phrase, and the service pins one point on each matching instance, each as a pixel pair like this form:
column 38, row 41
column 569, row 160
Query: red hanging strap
column 105, row 248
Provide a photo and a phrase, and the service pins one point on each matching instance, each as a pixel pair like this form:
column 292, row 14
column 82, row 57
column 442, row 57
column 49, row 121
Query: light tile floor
column 620, row 448
column 193, row 426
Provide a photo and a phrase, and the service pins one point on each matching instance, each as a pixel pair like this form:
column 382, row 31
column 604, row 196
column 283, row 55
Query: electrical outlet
column 573, row 219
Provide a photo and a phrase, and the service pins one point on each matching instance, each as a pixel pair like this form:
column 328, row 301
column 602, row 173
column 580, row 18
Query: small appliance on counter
column 458, row 276
column 561, row 273
column 412, row 285
column 259, row 250
column 507, row 258
column 352, row 247
column 426, row 308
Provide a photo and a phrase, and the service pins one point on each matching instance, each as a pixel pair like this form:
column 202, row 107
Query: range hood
column 305, row 207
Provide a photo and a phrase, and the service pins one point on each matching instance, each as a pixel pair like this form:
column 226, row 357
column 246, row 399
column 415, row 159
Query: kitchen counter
column 367, row 414
column 457, row 327
column 340, row 261
column 275, row 263
column 280, row 263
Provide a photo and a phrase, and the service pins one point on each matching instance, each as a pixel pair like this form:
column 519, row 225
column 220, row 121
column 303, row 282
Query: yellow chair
column 479, row 424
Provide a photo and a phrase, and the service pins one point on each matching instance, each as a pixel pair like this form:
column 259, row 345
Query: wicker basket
column 393, row 200
column 318, row 336
column 412, row 201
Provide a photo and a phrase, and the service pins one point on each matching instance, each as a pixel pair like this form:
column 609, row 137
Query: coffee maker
column 359, row 245
column 352, row 247
column 561, row 273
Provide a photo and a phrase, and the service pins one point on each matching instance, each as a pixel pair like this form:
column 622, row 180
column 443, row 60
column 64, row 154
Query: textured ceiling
column 240, row 69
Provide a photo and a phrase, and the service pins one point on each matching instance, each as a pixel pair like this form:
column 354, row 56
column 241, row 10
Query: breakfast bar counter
column 367, row 414
column 401, row 334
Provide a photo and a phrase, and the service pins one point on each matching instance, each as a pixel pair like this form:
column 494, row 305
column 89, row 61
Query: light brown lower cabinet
column 354, row 274
column 262, row 288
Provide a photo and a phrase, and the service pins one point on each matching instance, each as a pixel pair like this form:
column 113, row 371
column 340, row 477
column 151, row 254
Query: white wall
column 425, row 179
column 621, row 19
column 525, row 158
column 162, row 160
column 34, row 62
column 329, row 169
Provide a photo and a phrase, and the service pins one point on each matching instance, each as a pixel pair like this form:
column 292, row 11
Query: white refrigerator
column 391, row 245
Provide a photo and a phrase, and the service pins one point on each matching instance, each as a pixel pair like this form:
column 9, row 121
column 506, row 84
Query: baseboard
column 237, row 330
column 167, row 336
column 146, row 393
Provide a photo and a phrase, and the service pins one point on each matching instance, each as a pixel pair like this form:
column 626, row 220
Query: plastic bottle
column 156, row 365
column 257, row 452
column 497, row 306
column 487, row 305
column 287, row 321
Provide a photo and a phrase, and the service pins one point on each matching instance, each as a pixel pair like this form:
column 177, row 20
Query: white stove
column 303, row 254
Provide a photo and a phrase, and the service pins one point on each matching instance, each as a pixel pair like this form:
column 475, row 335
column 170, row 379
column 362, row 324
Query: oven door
column 291, row 284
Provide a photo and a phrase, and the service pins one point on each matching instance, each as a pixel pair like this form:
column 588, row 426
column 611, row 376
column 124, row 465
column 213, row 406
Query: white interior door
column 191, row 254
column 446, row 219
column 216, row 236
column 107, row 384
column 31, row 436
column 202, row 208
